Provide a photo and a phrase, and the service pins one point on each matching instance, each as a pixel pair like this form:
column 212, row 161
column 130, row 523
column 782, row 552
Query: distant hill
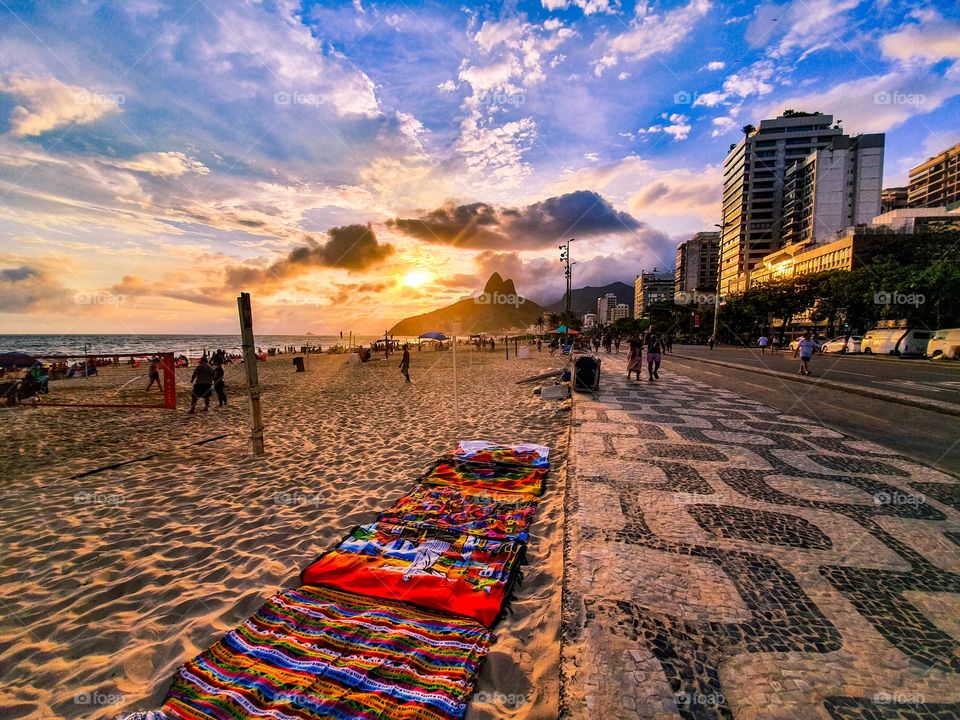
column 584, row 300
column 499, row 308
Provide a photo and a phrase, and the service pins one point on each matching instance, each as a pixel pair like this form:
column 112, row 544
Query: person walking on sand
column 218, row 383
column 539, row 345
column 762, row 343
column 154, row 373
column 805, row 348
column 202, row 380
column 405, row 363
column 635, row 357
column 654, row 356
column 616, row 344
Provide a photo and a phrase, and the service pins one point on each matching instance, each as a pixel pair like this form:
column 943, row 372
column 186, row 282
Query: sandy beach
column 112, row 580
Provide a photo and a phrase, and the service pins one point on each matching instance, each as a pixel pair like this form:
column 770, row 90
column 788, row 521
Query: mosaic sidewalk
column 724, row 560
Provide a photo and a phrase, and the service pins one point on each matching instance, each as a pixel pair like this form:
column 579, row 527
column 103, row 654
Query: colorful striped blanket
column 483, row 451
column 499, row 477
column 317, row 653
column 476, row 512
column 456, row 573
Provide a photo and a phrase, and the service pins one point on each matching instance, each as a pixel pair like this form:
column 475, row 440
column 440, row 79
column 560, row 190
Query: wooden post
column 250, row 360
column 386, row 345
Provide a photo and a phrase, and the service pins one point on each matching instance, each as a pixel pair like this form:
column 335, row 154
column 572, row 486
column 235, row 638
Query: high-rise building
column 832, row 188
column 753, row 185
column 649, row 288
column 893, row 198
column 936, row 182
column 604, row 306
column 589, row 321
column 697, row 263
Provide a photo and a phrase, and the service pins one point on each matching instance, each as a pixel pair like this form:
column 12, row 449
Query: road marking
column 847, row 372
column 929, row 386
column 713, row 373
column 762, row 387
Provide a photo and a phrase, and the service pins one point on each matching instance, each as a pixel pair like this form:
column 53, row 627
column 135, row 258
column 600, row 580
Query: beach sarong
column 456, row 573
column 499, row 477
column 483, row 451
column 486, row 513
column 318, row 653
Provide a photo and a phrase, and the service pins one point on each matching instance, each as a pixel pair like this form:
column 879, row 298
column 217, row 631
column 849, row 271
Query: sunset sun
column 416, row 278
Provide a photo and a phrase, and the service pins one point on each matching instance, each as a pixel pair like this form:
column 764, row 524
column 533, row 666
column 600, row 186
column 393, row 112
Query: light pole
column 716, row 299
column 565, row 258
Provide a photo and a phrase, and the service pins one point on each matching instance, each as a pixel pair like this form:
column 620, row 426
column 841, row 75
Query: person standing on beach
column 405, row 363
column 616, row 344
column 154, row 375
column 218, row 383
column 202, row 380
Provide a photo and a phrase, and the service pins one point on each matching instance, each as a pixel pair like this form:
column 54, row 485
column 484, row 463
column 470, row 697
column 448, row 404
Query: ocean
column 189, row 345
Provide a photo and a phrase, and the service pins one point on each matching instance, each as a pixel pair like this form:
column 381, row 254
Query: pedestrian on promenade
column 405, row 362
column 762, row 343
column 668, row 343
column 616, row 344
column 654, row 356
column 635, row 357
column 805, row 348
column 711, row 341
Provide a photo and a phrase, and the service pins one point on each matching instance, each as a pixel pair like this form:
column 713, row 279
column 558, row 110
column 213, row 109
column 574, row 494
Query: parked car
column 944, row 342
column 842, row 344
column 818, row 340
column 895, row 341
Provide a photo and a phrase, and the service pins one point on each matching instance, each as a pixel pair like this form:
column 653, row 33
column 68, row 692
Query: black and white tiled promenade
column 724, row 560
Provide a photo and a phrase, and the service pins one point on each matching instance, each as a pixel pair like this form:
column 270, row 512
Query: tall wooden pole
column 250, row 360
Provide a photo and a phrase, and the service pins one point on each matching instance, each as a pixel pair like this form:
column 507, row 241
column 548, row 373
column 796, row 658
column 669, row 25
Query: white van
column 895, row 341
column 944, row 342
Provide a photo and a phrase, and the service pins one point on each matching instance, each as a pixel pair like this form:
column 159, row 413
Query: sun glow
column 416, row 278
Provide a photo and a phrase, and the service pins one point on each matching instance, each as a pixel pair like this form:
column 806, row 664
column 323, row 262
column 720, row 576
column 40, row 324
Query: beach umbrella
column 564, row 330
column 433, row 336
column 16, row 359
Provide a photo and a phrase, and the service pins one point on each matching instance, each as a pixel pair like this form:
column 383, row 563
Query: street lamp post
column 565, row 258
column 716, row 299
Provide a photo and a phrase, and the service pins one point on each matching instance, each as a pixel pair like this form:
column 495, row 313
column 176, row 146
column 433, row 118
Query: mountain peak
column 497, row 284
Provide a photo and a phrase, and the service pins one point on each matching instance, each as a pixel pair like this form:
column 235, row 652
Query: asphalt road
column 931, row 437
column 923, row 378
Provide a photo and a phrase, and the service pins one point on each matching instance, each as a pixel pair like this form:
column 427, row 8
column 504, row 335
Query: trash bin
column 586, row 373
column 298, row 363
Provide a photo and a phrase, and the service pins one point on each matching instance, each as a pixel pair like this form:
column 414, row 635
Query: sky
column 353, row 163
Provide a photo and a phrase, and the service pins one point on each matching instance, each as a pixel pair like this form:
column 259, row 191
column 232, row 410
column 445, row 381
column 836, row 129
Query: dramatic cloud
column 351, row 247
column 479, row 225
column 45, row 103
column 589, row 7
column 171, row 164
column 27, row 288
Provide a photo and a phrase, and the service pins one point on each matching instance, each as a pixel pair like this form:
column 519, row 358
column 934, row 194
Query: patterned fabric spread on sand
column 499, row 477
column 456, row 573
column 485, row 452
column 318, row 653
column 470, row 510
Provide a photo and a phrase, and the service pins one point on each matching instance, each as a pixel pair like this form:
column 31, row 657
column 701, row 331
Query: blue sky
column 156, row 153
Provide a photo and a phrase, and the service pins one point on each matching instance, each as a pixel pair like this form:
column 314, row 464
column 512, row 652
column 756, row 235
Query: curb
column 902, row 399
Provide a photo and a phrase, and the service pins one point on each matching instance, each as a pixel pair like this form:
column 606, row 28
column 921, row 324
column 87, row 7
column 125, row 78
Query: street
column 934, row 380
column 931, row 437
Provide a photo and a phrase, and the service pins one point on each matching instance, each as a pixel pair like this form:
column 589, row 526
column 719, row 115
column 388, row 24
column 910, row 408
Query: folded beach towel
column 483, row 451
column 318, row 653
column 464, row 509
column 449, row 572
column 496, row 476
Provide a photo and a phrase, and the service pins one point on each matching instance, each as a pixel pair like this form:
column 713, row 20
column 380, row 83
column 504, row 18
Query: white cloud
column 171, row 164
column 589, row 7
column 754, row 80
column 710, row 99
column 932, row 40
column 650, row 34
column 45, row 103
column 877, row 103
column 624, row 76
column 803, row 26
column 447, row 86
column 722, row 125
column 716, row 65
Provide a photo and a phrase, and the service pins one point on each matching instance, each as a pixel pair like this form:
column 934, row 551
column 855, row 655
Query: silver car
column 842, row 344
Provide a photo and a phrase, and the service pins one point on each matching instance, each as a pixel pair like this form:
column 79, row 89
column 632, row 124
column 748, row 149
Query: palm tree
column 539, row 323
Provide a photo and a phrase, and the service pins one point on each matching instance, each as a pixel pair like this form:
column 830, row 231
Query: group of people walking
column 655, row 346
